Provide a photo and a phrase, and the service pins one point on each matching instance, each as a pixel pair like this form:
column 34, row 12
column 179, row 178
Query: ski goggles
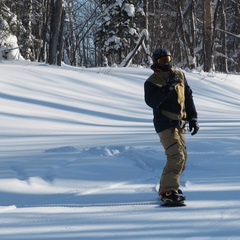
column 164, row 60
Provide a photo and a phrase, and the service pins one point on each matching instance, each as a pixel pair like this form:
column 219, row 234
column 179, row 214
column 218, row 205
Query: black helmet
column 160, row 52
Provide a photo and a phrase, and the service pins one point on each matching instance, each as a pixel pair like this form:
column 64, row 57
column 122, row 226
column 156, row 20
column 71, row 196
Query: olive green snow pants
column 173, row 141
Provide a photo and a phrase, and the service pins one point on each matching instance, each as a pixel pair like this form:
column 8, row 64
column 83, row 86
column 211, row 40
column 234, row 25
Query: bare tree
column 56, row 16
column 220, row 37
column 208, row 35
column 43, row 30
column 193, row 33
column 28, row 48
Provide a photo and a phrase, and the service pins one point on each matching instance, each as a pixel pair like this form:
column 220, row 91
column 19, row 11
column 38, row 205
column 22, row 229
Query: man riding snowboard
column 169, row 95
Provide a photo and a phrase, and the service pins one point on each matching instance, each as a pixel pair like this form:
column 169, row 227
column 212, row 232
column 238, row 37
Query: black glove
column 171, row 83
column 193, row 125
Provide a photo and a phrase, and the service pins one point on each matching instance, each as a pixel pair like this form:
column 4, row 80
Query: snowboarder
column 169, row 95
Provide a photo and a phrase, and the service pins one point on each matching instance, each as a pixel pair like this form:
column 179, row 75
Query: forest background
column 91, row 33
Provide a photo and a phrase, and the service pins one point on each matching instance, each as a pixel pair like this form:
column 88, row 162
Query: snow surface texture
column 80, row 158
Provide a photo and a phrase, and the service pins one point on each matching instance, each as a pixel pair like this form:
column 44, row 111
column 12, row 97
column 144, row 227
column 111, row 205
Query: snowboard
column 173, row 204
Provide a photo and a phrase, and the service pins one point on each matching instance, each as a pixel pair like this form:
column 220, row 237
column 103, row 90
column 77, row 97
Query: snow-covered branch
column 229, row 33
column 144, row 35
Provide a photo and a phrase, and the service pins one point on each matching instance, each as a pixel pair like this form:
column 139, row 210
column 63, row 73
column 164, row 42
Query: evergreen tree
column 117, row 31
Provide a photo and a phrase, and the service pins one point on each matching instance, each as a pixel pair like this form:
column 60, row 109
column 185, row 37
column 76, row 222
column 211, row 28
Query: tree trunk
column 45, row 12
column 60, row 47
column 146, row 14
column 56, row 11
column 72, row 41
column 193, row 34
column 208, row 34
column 237, row 10
column 185, row 44
column 224, row 44
column 27, row 22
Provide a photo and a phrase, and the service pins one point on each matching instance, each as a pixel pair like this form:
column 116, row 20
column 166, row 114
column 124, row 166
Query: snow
column 130, row 9
column 8, row 43
column 80, row 158
column 132, row 31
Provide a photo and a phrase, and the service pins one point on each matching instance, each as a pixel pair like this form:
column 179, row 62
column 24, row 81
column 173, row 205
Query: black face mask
column 165, row 68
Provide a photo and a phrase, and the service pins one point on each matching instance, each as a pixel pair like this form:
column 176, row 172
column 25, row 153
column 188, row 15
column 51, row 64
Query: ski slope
column 79, row 158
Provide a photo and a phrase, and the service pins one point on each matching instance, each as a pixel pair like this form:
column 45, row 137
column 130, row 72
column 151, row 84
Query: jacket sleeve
column 189, row 103
column 153, row 95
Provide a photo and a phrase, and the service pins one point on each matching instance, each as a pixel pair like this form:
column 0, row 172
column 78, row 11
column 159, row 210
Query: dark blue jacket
column 168, row 110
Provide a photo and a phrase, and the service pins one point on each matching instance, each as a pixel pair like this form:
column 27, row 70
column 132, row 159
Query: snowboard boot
column 172, row 196
column 181, row 193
